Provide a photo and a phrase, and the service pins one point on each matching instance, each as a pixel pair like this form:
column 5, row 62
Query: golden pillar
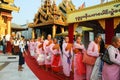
column 33, row 33
column 2, row 26
column 9, row 25
column 62, row 30
column 53, row 31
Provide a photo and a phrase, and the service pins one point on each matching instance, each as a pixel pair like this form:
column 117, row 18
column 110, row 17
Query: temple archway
column 91, row 29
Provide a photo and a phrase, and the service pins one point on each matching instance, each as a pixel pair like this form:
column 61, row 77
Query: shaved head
column 115, row 39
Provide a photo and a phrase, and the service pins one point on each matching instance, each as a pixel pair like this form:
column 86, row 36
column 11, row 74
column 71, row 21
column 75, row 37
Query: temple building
column 65, row 19
column 66, row 5
column 51, row 19
column 18, row 30
column 6, row 8
column 103, row 18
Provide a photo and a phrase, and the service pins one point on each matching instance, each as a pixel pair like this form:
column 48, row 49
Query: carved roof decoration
column 48, row 14
column 8, row 5
column 2, row 23
column 66, row 6
column 17, row 27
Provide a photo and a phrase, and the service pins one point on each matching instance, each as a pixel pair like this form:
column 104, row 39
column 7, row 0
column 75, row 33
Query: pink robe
column 41, row 52
column 47, row 52
column 81, row 67
column 66, row 66
column 32, row 48
column 112, row 72
column 92, row 51
column 37, row 51
column 54, row 52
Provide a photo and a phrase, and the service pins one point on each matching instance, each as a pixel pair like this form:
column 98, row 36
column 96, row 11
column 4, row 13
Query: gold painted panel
column 109, row 10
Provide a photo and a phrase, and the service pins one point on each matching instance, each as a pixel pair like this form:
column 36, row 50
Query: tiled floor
column 10, row 70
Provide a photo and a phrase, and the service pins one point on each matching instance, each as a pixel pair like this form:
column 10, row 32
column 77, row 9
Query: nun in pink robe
column 55, row 64
column 37, row 51
column 41, row 55
column 79, row 66
column 112, row 72
column 66, row 61
column 92, row 51
column 48, row 53
column 32, row 48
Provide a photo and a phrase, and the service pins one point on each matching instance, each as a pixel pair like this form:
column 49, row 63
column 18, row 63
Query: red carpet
column 40, row 73
column 1, row 52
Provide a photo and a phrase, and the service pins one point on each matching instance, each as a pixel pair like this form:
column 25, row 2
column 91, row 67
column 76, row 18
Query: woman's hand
column 50, row 42
column 76, row 50
column 69, row 46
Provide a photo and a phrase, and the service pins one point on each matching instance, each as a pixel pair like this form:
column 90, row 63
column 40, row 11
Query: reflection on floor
column 9, row 69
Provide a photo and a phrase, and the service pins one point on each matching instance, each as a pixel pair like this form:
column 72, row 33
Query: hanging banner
column 107, row 10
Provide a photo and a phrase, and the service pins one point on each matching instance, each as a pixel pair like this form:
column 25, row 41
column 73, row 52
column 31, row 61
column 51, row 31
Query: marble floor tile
column 10, row 72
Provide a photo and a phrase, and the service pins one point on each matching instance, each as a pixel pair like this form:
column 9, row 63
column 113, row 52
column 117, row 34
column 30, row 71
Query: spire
column 42, row 2
column 54, row 1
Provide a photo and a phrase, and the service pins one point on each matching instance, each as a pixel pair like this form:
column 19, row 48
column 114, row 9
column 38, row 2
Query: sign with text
column 108, row 10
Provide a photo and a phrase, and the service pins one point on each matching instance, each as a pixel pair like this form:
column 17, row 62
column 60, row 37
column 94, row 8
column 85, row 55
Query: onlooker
column 22, row 53
column 9, row 47
column 1, row 45
column 4, row 44
column 16, row 48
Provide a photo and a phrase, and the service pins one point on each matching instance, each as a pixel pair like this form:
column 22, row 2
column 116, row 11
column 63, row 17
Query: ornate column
column 62, row 30
column 9, row 25
column 2, row 26
column 71, row 32
column 109, row 30
column 53, row 31
column 33, row 33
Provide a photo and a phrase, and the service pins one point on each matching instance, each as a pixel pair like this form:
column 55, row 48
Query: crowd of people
column 14, row 46
column 10, row 45
column 72, row 57
column 85, row 64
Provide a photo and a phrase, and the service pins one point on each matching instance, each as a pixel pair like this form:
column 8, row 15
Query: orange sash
column 41, row 45
column 50, row 42
column 69, row 46
column 56, row 46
